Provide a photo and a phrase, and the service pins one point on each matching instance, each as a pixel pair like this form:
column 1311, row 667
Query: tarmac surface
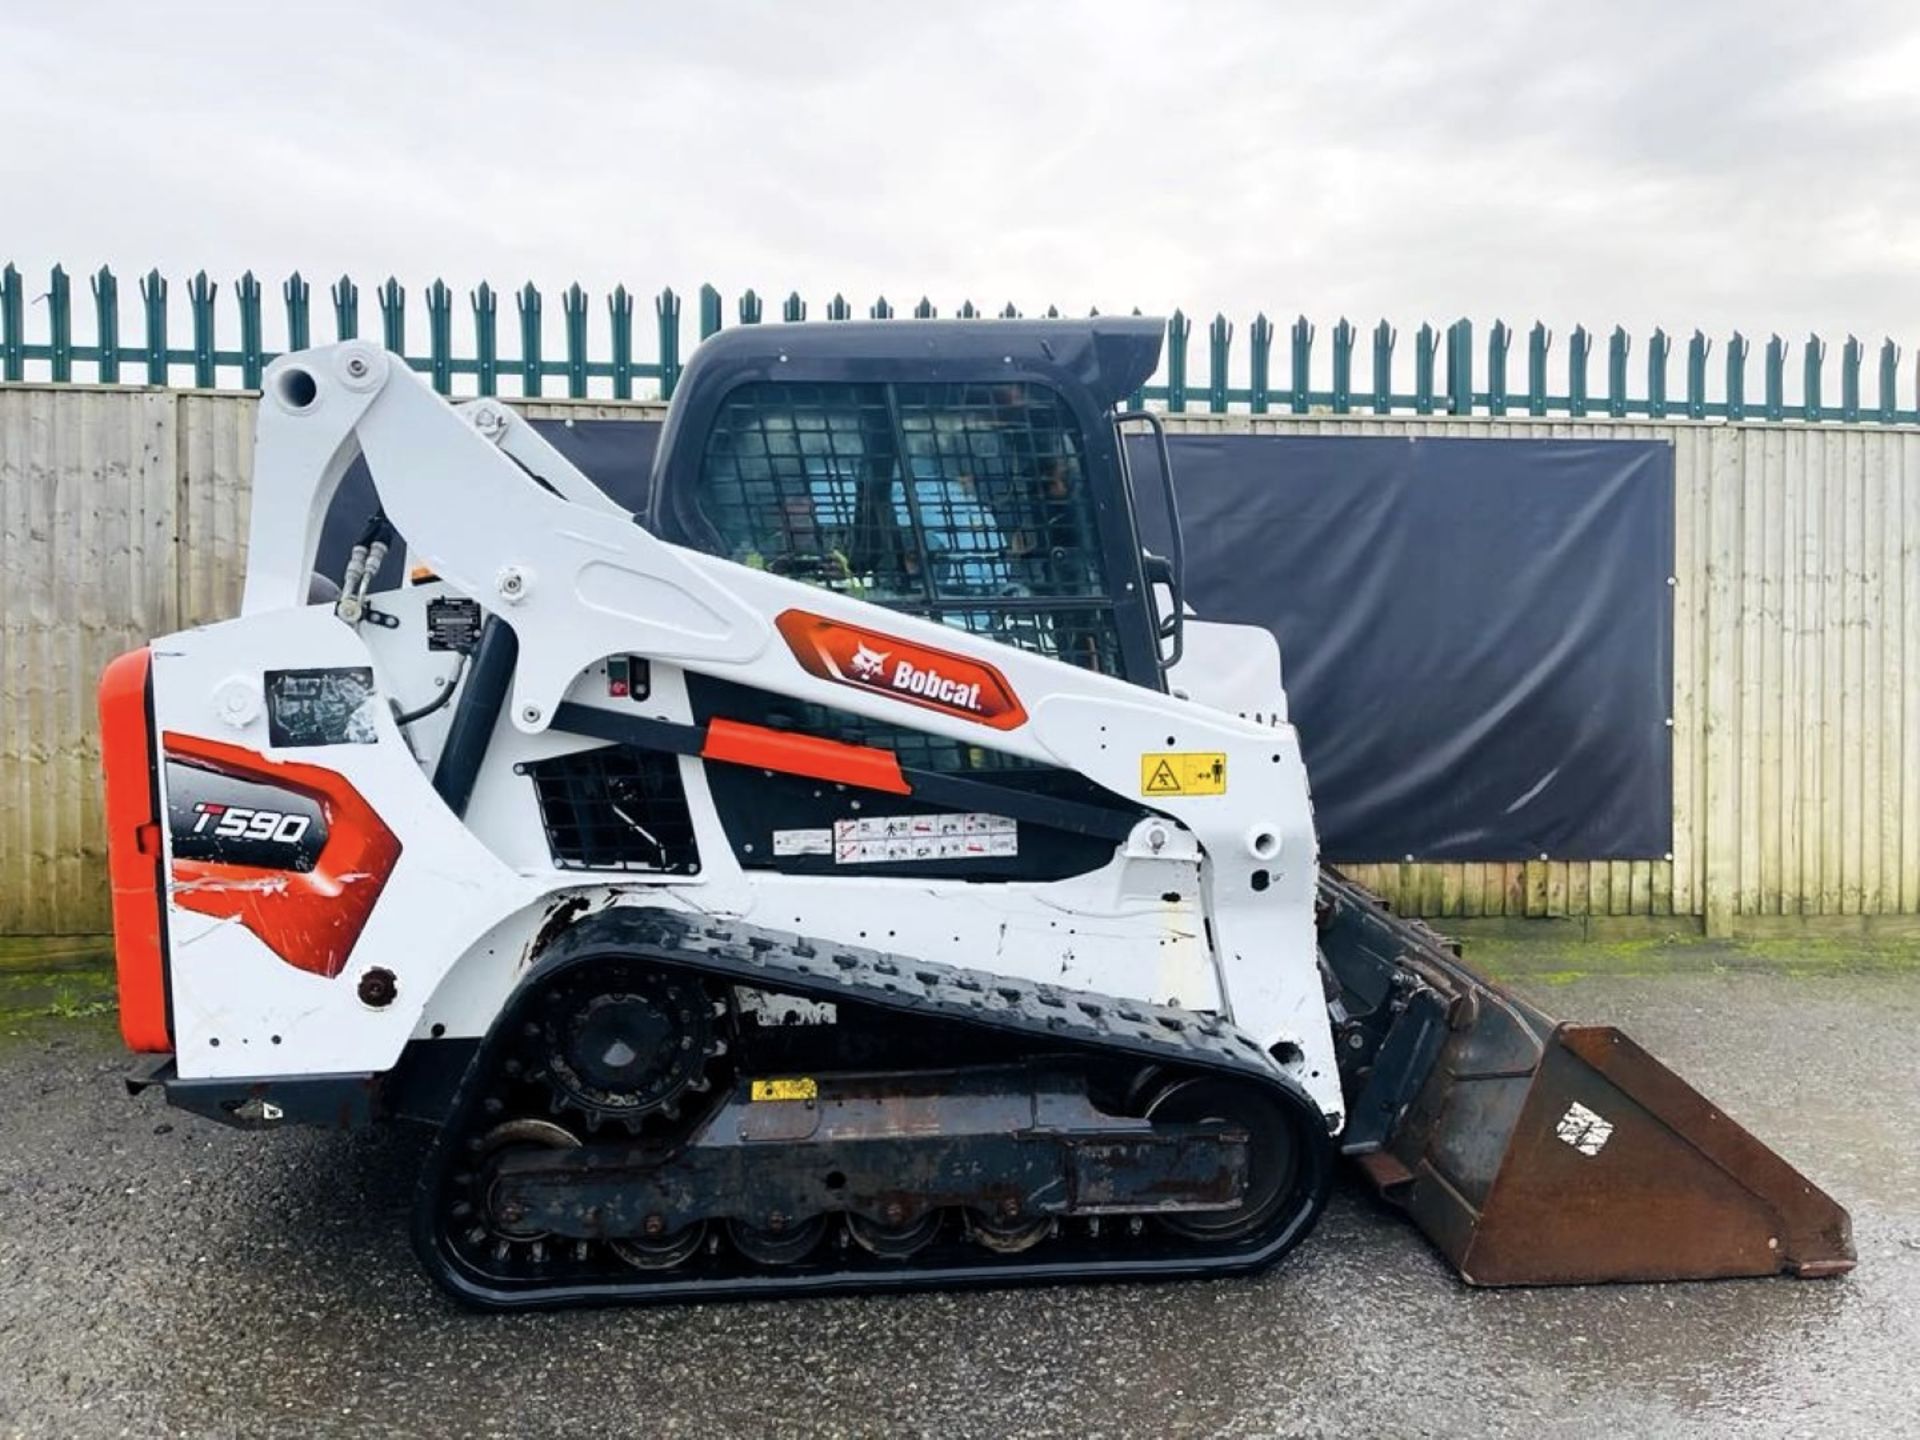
column 162, row 1275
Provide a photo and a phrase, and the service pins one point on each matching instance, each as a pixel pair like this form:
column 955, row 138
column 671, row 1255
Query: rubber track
column 788, row 964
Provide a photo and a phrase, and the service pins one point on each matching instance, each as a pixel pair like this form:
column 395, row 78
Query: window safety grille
column 966, row 503
column 615, row 808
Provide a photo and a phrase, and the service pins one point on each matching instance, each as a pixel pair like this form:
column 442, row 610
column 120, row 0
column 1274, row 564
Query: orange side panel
column 133, row 853
column 809, row 755
column 309, row 920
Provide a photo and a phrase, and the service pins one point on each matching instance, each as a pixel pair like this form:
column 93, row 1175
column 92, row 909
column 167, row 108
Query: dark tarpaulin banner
column 1476, row 634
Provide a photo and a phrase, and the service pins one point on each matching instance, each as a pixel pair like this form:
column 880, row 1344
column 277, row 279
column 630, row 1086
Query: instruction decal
column 1190, row 772
column 894, row 839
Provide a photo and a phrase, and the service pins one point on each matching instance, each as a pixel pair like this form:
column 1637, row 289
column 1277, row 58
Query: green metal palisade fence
column 1451, row 375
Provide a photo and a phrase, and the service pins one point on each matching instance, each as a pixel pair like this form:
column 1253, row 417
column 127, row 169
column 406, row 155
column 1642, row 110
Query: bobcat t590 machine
column 862, row 873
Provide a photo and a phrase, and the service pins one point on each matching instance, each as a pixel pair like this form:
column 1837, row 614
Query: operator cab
column 971, row 472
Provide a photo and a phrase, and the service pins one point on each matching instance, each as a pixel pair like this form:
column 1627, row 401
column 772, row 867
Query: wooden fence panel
column 1796, row 703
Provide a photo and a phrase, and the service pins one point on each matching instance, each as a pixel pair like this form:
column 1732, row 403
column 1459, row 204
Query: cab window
column 966, row 503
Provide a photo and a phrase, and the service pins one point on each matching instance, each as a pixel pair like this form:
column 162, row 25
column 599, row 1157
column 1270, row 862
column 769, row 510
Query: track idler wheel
column 480, row 1223
column 784, row 1244
column 661, row 1252
column 1007, row 1234
column 1273, row 1161
column 896, row 1241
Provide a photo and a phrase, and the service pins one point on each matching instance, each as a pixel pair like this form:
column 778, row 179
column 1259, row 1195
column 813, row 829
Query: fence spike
column 440, row 336
column 299, row 331
column 1219, row 343
column 1851, row 355
column 709, row 311
column 201, row 293
column 620, row 322
column 880, row 310
column 106, row 325
column 1460, row 367
column 393, row 316
column 252, row 339
column 573, row 309
column 667, row 310
column 1737, row 348
column 486, row 338
column 1774, row 371
column 1579, row 351
column 838, row 309
column 1343, row 340
column 1260, row 363
column 795, row 310
column 1010, row 313
column 60, row 323
column 1425, row 342
column 1300, row 379
column 1889, row 381
column 1811, row 361
column 346, row 309
column 1539, row 342
column 925, row 310
column 1178, row 329
column 13, row 329
column 1697, row 349
column 1053, row 312
column 1384, row 338
column 750, row 308
column 153, row 299
column 1499, row 342
column 967, row 312
column 533, row 369
column 1618, row 343
column 1659, row 349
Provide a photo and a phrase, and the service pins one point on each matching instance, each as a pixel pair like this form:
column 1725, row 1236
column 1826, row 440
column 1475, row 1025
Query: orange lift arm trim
column 869, row 768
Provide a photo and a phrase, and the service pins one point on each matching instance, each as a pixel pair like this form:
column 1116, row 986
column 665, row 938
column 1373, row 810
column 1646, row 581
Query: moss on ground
column 1561, row 960
column 56, row 979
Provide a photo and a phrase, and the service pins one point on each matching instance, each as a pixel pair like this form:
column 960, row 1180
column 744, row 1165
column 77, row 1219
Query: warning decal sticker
column 799, row 1088
column 890, row 839
column 1193, row 772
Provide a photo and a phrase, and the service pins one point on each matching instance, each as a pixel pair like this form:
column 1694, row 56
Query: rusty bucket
column 1537, row 1153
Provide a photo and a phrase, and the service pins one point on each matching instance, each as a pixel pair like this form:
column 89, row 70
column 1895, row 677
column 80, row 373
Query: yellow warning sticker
column 800, row 1088
column 1194, row 772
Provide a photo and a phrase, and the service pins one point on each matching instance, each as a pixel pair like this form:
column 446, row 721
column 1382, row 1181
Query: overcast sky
column 1717, row 163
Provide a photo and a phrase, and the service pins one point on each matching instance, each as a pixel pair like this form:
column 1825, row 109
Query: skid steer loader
column 864, row 873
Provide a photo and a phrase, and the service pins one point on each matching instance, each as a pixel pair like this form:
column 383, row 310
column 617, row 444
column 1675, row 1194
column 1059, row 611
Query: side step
column 1538, row 1153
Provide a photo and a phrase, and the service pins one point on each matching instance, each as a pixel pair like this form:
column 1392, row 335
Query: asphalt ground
column 162, row 1275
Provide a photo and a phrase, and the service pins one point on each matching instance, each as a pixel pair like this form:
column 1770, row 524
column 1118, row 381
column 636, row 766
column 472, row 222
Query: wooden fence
column 1796, row 701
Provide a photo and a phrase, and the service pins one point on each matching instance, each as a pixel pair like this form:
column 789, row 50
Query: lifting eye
column 296, row 388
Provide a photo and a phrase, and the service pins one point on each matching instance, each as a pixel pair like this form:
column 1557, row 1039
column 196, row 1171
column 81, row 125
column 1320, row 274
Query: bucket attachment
column 1538, row 1153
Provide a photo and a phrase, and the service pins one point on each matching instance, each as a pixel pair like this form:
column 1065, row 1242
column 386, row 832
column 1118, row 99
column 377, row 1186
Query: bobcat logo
column 867, row 663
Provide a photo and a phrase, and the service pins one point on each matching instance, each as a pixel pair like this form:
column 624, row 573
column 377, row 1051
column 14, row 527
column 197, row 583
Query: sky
column 1715, row 163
